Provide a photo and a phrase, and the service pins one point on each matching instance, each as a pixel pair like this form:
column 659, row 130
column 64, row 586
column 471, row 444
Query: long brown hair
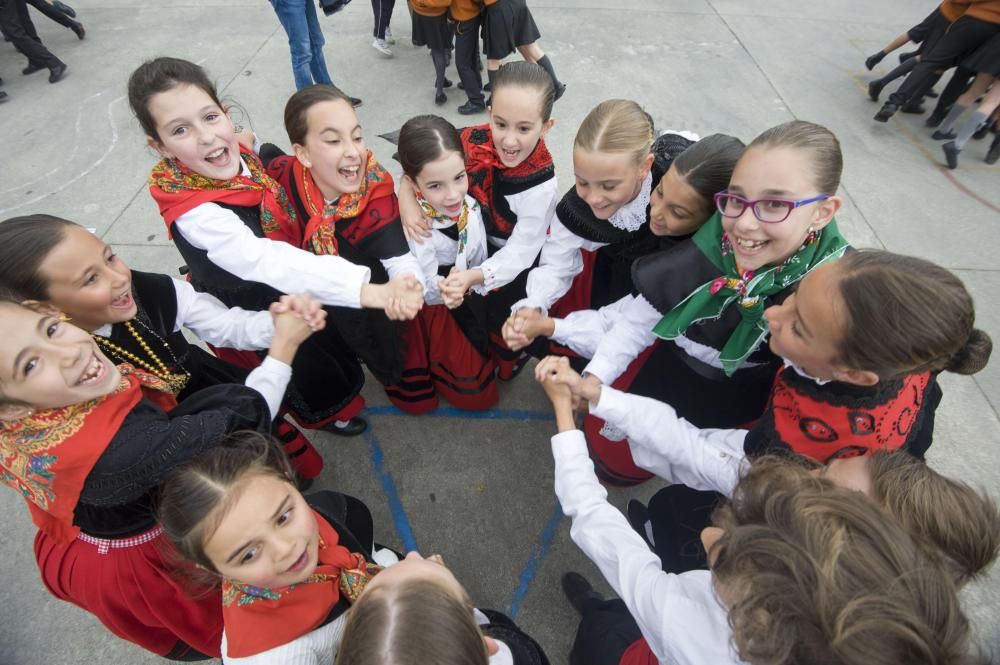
column 813, row 573
column 905, row 314
column 417, row 622
column 159, row 75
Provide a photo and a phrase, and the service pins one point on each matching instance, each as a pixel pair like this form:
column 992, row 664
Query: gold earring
column 64, row 318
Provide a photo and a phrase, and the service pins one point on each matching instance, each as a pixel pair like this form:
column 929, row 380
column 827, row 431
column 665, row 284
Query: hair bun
column 973, row 355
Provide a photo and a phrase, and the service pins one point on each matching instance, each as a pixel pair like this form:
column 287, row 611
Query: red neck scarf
column 260, row 618
column 483, row 164
column 48, row 455
column 319, row 236
column 177, row 190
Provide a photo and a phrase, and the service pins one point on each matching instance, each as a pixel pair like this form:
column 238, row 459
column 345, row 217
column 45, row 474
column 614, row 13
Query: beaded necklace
column 175, row 382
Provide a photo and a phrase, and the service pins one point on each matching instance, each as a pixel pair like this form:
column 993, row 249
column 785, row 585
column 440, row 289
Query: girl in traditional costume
column 347, row 202
column 234, row 226
column 136, row 317
column 289, row 566
column 706, row 298
column 447, row 349
column 88, row 444
column 512, row 177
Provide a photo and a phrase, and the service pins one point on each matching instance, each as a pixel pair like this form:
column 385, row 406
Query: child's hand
column 305, row 306
column 416, row 225
column 549, row 373
column 405, row 297
column 459, row 282
column 524, row 325
column 557, row 370
column 292, row 328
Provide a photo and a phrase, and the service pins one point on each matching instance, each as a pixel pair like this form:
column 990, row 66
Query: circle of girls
column 698, row 316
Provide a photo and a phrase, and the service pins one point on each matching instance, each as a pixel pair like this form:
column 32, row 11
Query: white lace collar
column 632, row 215
column 801, row 372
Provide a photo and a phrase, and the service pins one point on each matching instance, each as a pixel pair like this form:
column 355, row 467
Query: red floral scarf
column 48, row 455
column 483, row 165
column 320, row 229
column 177, row 190
column 260, row 618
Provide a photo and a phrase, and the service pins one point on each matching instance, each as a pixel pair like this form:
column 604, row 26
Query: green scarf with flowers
column 748, row 291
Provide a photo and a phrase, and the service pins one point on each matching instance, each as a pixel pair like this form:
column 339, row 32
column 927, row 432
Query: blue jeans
column 305, row 40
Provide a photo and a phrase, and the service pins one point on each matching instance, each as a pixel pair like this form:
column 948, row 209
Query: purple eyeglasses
column 769, row 211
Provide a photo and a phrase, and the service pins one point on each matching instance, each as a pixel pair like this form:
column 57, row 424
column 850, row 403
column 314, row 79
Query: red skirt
column 440, row 360
column 129, row 586
column 613, row 461
column 576, row 299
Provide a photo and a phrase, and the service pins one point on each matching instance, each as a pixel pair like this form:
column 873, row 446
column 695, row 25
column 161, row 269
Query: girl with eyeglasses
column 705, row 299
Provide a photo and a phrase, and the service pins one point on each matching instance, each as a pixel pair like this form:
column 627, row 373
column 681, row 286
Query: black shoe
column 488, row 87
column 903, row 57
column 470, row 108
column 447, row 83
column 3, row 96
column 932, row 93
column 560, row 90
column 935, row 119
column 914, row 108
column 981, row 133
column 578, row 591
column 78, row 29
column 887, row 111
column 873, row 60
column 58, row 72
column 440, row 98
column 875, row 89
column 64, row 8
column 461, row 86
column 638, row 517
column 993, row 154
column 943, row 136
column 32, row 68
column 354, row 427
column 951, row 154
column 356, row 102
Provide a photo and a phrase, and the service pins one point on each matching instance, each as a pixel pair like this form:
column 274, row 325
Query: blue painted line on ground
column 535, row 559
column 451, row 412
column 399, row 518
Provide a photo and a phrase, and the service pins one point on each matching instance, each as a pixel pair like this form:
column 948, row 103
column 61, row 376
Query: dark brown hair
column 707, row 166
column 827, row 159
column 298, row 105
column 424, row 139
column 196, row 496
column 25, row 242
column 528, row 75
column 813, row 573
column 955, row 522
column 417, row 622
column 159, row 75
column 904, row 315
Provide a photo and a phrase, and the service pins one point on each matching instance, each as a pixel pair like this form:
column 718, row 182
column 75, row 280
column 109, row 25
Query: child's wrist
column 283, row 349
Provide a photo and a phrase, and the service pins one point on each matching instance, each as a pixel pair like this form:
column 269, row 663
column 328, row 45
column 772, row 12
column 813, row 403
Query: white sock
column 341, row 424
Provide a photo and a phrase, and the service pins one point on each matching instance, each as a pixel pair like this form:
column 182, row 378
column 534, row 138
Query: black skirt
column 507, row 25
column 433, row 31
column 986, row 58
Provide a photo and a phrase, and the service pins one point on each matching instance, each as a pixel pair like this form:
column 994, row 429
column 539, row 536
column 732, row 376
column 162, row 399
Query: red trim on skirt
column 441, row 361
column 613, row 461
column 132, row 590
column 638, row 653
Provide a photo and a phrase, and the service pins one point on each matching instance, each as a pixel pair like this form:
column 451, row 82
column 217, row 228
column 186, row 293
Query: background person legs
column 466, row 61
column 317, row 65
column 292, row 14
column 38, row 56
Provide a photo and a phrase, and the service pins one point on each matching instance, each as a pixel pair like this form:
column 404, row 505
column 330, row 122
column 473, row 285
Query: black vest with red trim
column 839, row 419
